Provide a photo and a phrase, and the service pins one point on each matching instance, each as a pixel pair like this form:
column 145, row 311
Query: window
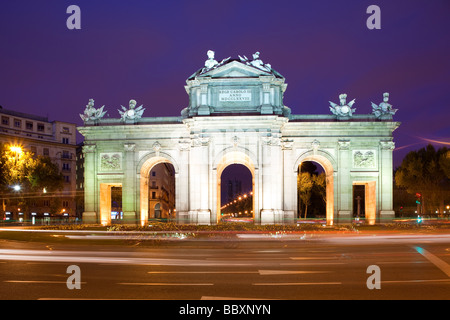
column 46, row 152
column 153, row 195
column 65, row 203
column 153, row 174
column 17, row 123
column 67, row 178
column 66, row 155
column 65, row 140
column 66, row 166
column 65, row 130
column 46, row 203
column 40, row 127
column 33, row 149
column 29, row 125
column 5, row 121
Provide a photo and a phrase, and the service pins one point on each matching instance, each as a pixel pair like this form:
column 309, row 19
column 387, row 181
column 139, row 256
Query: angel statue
column 132, row 113
column 344, row 109
column 384, row 108
column 211, row 62
column 256, row 62
column 92, row 114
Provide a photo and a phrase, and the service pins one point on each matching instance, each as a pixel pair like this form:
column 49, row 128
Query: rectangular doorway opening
column 110, row 201
column 364, row 192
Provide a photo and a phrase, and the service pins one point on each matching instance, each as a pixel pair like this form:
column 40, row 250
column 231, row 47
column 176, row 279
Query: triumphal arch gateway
column 236, row 115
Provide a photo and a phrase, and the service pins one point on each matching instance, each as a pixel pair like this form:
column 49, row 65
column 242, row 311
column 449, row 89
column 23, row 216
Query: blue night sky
column 145, row 50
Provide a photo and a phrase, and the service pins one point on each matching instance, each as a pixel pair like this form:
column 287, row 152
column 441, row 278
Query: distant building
column 162, row 191
column 79, row 198
column 234, row 189
column 54, row 139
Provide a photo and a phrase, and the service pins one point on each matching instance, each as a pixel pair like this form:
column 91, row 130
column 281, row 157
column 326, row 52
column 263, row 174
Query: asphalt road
column 329, row 267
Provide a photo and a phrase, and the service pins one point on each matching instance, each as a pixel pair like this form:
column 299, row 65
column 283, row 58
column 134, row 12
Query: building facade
column 236, row 115
column 54, row 139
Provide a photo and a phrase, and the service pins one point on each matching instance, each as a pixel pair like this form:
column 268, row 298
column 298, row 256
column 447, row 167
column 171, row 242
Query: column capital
column 387, row 145
column 344, row 144
column 89, row 148
column 129, row 147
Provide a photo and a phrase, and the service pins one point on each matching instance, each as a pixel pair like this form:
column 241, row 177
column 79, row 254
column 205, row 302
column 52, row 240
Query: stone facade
column 236, row 115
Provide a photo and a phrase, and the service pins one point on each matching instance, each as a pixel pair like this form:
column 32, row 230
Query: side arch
column 328, row 163
column 143, row 170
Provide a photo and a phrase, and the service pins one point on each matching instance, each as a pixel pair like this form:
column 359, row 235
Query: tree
column 46, row 174
column 426, row 171
column 311, row 189
column 305, row 187
column 34, row 175
column 320, row 182
column 16, row 166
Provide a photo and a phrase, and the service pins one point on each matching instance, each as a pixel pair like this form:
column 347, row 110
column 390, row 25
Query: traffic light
column 418, row 198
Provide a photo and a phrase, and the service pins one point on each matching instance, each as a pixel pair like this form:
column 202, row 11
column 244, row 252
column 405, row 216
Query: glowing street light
column 16, row 187
column 16, row 149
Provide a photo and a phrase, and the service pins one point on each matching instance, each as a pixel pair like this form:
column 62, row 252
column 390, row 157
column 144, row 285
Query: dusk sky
column 145, row 50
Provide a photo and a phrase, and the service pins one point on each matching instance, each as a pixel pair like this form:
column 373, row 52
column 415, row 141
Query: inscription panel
column 235, row 95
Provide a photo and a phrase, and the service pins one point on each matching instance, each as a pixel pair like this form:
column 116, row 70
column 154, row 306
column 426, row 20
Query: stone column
column 386, row 181
column 290, row 183
column 91, row 194
column 266, row 106
column 272, row 181
column 182, row 183
column 129, row 185
column 199, row 211
column 203, row 109
column 345, row 186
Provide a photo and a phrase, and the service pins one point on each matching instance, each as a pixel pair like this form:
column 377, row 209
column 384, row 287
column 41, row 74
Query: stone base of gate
column 386, row 216
column 129, row 217
column 289, row 216
column 200, row 217
column 345, row 217
column 272, row 216
column 90, row 217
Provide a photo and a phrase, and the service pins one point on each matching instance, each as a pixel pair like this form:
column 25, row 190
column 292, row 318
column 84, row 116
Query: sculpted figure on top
column 344, row 109
column 91, row 113
column 132, row 113
column 384, row 108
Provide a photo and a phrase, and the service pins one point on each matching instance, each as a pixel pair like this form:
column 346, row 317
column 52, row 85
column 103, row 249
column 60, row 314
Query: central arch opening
column 236, row 194
column 236, row 157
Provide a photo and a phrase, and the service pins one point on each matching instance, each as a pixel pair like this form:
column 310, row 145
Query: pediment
column 235, row 69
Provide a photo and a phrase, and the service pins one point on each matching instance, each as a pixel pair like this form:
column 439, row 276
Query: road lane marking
column 417, row 281
column 165, row 284
column 284, row 272
column 38, row 281
column 201, row 272
column 313, row 258
column 295, row 283
column 441, row 264
column 311, row 263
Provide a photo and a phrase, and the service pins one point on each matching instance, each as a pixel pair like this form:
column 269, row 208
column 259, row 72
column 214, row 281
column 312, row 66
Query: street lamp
column 16, row 149
column 16, row 187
